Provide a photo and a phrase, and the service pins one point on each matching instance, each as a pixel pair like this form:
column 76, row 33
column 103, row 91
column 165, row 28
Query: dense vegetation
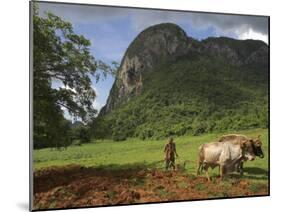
column 194, row 95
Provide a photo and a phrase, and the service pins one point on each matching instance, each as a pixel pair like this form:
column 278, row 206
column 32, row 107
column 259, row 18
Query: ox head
column 248, row 149
column 252, row 148
column 257, row 147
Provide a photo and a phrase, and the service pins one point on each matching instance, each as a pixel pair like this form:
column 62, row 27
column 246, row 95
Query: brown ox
column 226, row 155
column 234, row 138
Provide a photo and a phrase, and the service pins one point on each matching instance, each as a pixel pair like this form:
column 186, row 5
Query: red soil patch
column 77, row 186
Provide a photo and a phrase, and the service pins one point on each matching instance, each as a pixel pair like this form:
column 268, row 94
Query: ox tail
column 200, row 160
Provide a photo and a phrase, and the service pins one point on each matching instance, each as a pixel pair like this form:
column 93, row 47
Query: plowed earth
column 77, row 186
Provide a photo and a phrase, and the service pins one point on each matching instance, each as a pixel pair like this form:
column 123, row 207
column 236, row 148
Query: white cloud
column 251, row 34
column 224, row 24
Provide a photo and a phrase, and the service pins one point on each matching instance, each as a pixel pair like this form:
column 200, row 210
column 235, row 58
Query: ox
column 226, row 155
column 234, row 138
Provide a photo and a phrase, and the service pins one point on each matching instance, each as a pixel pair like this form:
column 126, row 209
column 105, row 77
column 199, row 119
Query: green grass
column 149, row 153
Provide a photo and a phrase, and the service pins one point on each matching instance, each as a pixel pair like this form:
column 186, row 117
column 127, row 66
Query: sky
column 112, row 29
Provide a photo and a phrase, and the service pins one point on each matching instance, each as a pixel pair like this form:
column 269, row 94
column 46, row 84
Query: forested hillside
column 217, row 84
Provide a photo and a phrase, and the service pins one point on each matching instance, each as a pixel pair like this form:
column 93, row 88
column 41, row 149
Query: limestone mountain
column 171, row 84
column 156, row 45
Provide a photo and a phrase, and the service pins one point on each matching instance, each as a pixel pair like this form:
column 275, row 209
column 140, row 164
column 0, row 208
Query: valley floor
column 132, row 171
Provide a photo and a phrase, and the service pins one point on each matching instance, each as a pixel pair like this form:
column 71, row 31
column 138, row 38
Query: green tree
column 63, row 57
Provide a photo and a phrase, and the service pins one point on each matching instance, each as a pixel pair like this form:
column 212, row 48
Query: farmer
column 170, row 152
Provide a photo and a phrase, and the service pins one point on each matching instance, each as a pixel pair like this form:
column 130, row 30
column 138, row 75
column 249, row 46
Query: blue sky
column 111, row 30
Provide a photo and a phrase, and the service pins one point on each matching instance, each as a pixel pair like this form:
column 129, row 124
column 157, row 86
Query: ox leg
column 222, row 171
column 207, row 173
column 199, row 164
column 241, row 169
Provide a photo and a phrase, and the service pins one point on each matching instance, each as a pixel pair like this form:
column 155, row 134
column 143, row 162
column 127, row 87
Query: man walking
column 170, row 152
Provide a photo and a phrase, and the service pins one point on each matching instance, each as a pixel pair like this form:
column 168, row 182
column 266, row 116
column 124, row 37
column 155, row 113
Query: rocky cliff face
column 155, row 45
column 166, row 42
column 237, row 52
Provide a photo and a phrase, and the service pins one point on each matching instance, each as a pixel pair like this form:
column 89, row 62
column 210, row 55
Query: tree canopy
column 61, row 57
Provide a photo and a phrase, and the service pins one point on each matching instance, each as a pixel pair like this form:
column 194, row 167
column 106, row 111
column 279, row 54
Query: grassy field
column 149, row 153
column 132, row 171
